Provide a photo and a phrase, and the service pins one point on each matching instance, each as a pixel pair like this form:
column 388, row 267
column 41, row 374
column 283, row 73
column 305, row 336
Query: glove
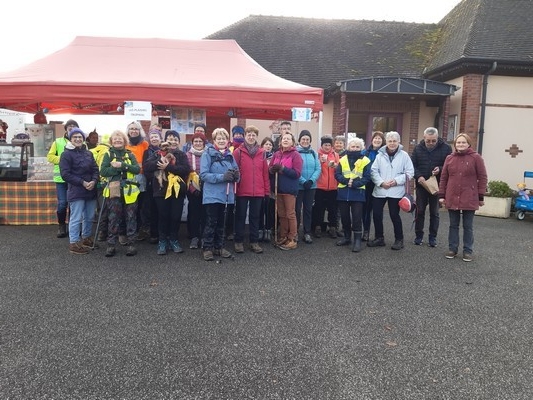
column 276, row 168
column 228, row 176
column 236, row 175
column 308, row 184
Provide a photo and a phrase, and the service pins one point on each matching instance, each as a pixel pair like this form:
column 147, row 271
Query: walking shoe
column 281, row 241
column 62, row 231
column 102, row 236
column 88, row 243
column 194, row 243
column 432, row 242
column 230, row 237
column 123, row 240
column 289, row 245
column 175, row 246
column 364, row 238
column 162, row 247
column 222, row 252
column 143, row 234
column 418, row 241
column 110, row 251
column 307, row 238
column 256, row 248
column 318, row 232
column 332, row 232
column 450, row 254
column 398, row 245
column 131, row 251
column 376, row 242
column 239, row 248
column 343, row 242
column 208, row 255
column 77, row 248
column 467, row 257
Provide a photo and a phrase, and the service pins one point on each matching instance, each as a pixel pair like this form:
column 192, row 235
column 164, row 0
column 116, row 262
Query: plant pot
column 497, row 207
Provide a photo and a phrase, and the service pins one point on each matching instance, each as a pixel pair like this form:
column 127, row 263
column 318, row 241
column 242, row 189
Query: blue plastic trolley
column 524, row 204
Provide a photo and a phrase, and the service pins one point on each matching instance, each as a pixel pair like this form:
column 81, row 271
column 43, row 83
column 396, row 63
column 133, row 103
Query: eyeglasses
column 199, row 130
column 430, row 141
column 134, row 129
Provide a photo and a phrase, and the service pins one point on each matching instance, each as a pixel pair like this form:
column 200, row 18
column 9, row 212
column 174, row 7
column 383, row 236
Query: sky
column 33, row 30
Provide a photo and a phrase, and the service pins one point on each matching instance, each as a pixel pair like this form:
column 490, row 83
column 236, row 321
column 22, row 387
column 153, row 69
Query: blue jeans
column 81, row 219
column 61, row 191
column 468, row 230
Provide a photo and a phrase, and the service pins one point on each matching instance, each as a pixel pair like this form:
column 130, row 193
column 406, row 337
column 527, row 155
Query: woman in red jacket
column 462, row 187
column 251, row 189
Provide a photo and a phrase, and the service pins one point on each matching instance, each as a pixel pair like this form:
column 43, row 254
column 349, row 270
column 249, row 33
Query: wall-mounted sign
column 138, row 110
column 302, row 114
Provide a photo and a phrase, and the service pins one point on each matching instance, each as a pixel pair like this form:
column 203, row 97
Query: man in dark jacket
column 428, row 158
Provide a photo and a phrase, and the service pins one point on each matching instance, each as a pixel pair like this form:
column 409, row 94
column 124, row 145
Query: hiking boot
column 208, row 255
column 239, row 248
column 77, row 248
column 432, row 242
column 62, row 231
column 450, row 254
column 222, row 252
column 418, row 241
column 289, row 245
column 364, row 238
column 467, row 257
column 318, row 232
column 332, row 232
column 376, row 242
column 142, row 235
column 162, row 247
column 110, row 251
column 123, row 240
column 256, row 248
column 194, row 243
column 131, row 251
column 102, row 236
column 307, row 238
column 398, row 245
column 88, row 243
column 175, row 246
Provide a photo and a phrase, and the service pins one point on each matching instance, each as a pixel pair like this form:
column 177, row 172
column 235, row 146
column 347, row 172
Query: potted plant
column 497, row 200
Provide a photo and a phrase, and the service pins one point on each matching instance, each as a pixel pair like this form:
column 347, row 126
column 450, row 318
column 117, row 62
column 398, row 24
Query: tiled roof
column 320, row 52
column 492, row 30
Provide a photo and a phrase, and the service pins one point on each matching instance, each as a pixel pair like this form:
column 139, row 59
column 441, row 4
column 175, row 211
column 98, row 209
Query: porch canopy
column 93, row 75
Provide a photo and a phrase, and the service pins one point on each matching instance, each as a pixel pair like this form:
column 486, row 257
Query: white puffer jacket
column 386, row 168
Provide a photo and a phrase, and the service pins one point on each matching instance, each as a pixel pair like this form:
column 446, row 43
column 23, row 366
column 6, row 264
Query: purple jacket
column 463, row 181
column 77, row 165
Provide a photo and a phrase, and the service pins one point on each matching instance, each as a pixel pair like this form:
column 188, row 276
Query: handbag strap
column 407, row 184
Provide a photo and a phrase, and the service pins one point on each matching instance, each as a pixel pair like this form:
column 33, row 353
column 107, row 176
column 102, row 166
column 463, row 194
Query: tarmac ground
column 318, row 322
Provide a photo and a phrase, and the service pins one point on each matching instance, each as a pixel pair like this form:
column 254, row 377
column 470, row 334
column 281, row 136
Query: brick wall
column 471, row 106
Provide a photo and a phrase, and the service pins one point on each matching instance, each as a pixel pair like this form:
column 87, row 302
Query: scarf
column 252, row 148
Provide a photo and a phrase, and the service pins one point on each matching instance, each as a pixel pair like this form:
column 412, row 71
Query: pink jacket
column 326, row 180
column 463, row 180
column 255, row 180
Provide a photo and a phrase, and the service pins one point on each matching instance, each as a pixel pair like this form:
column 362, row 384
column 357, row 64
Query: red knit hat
column 199, row 135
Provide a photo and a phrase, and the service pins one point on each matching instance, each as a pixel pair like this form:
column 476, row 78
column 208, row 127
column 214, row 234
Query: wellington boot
column 357, row 242
column 62, row 231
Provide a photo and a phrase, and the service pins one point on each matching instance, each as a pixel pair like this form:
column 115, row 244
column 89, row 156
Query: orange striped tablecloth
column 28, row 203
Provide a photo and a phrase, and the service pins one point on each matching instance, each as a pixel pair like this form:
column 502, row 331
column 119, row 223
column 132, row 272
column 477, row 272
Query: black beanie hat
column 326, row 139
column 303, row 133
column 173, row 133
column 71, row 122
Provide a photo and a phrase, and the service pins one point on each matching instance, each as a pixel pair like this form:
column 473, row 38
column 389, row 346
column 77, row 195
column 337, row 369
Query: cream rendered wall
column 508, row 122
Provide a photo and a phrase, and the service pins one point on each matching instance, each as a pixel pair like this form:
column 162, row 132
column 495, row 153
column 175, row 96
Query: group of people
column 276, row 186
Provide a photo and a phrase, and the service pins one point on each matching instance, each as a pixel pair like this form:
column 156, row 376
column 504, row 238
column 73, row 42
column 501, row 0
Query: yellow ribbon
column 173, row 182
column 194, row 180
